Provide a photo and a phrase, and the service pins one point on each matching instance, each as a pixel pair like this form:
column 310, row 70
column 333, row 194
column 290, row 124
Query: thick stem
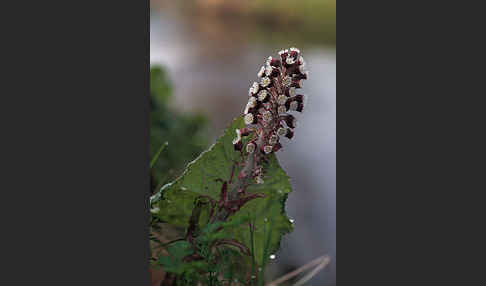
column 245, row 176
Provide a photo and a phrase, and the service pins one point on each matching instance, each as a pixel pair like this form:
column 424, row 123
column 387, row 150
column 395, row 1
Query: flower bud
column 289, row 134
column 283, row 55
column 290, row 120
column 302, row 68
column 237, row 141
column 261, row 72
column 297, row 83
column 298, row 97
column 275, row 63
column 282, row 131
column 238, row 145
column 301, row 61
column 253, row 89
column 301, row 76
column 277, row 147
column 295, row 105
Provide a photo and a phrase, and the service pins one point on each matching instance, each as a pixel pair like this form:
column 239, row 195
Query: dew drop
column 273, row 256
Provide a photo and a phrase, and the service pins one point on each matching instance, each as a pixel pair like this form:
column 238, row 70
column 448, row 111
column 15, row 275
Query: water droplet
column 292, row 220
column 273, row 256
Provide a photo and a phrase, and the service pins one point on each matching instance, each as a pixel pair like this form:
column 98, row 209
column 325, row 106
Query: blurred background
column 206, row 54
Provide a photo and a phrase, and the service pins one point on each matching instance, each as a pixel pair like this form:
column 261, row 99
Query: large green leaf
column 176, row 200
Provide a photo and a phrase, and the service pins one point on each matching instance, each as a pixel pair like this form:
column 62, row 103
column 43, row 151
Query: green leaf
column 176, row 200
column 177, row 251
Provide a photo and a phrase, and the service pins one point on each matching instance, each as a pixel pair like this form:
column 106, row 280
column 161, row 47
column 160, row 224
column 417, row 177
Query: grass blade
column 154, row 159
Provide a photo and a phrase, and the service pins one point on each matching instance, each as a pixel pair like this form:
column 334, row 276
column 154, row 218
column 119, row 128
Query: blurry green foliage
column 312, row 21
column 186, row 134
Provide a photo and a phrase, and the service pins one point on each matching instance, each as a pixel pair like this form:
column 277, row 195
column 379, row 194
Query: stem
column 241, row 181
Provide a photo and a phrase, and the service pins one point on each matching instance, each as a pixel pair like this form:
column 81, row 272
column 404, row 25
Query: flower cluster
column 267, row 113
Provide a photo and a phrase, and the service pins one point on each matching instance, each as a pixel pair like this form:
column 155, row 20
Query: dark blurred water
column 212, row 66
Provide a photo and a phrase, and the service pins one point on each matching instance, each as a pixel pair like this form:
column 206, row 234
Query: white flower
column 267, row 149
column 268, row 70
column 250, row 147
column 269, row 60
column 282, row 99
column 262, row 95
column 292, row 91
column 259, row 180
column 302, row 68
column 254, row 88
column 286, row 81
column 252, row 102
column 267, row 116
column 273, row 139
column 301, row 60
column 290, row 60
column 249, row 119
column 265, row 81
column 293, row 49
